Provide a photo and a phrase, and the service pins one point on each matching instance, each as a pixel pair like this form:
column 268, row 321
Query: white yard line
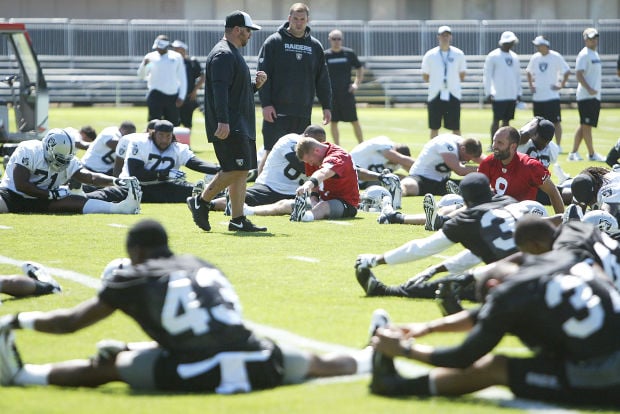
column 408, row 368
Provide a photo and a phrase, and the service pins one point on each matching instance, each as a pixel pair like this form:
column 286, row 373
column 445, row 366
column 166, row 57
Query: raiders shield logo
column 542, row 67
column 25, row 161
column 508, row 61
column 134, row 149
column 298, row 56
column 239, row 162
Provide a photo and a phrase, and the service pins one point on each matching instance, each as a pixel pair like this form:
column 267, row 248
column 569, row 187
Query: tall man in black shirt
column 340, row 61
column 294, row 62
column 230, row 122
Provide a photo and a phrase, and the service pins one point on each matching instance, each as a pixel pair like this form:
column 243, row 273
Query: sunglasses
column 335, row 38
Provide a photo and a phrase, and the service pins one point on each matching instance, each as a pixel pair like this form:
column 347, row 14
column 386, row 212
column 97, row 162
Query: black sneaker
column 300, row 206
column 200, row 212
column 392, row 217
column 245, row 225
column 385, row 378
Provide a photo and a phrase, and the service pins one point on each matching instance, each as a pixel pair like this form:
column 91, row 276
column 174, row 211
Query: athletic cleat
column 10, row 361
column 574, row 156
column 252, row 175
column 572, row 212
column 200, row 212
column 447, row 300
column 393, row 217
column 245, row 226
column 385, row 379
column 198, row 188
column 228, row 208
column 433, row 221
column 391, row 182
column 596, row 157
column 453, row 188
column 366, row 279
column 300, row 206
column 39, row 272
column 379, row 319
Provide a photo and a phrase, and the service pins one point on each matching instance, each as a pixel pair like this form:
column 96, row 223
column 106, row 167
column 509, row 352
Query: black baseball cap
column 582, row 188
column 241, row 19
column 476, row 189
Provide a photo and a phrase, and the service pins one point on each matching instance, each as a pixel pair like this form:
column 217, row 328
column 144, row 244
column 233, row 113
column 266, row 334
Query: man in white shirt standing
column 588, row 71
column 444, row 68
column 164, row 71
column 502, row 81
column 544, row 71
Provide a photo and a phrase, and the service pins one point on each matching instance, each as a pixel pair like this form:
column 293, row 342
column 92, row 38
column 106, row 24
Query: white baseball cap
column 443, row 29
column 508, row 37
column 179, row 43
column 541, row 41
column 590, row 33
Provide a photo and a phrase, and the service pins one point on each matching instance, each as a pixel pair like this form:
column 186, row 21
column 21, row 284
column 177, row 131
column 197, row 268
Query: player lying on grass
column 192, row 314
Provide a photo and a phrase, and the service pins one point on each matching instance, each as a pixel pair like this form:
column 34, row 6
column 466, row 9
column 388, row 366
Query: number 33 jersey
column 487, row 229
column 185, row 304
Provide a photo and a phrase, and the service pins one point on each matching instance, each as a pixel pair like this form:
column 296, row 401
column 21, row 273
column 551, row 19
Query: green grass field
column 318, row 298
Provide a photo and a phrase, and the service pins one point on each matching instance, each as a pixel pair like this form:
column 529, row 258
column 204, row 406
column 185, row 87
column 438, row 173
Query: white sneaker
column 596, row 157
column 379, row 319
column 39, row 272
column 574, row 156
column 10, row 362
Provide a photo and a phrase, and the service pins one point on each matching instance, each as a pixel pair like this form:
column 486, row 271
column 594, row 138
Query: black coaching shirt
column 340, row 65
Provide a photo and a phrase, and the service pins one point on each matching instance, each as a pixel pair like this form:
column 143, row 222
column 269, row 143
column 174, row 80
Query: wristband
column 314, row 181
column 25, row 320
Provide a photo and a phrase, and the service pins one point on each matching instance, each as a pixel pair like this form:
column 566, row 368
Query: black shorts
column 186, row 113
column 589, row 110
column 162, row 106
column 449, row 111
column 260, row 194
column 549, row 379
column 273, row 131
column 235, row 153
column 343, row 107
column 427, row 186
column 504, row 110
column 549, row 110
column 16, row 203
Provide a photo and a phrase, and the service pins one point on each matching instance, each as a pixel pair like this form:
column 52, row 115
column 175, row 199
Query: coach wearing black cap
column 230, row 122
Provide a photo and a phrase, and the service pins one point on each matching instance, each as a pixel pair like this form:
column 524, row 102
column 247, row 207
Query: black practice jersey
column 587, row 241
column 487, row 229
column 182, row 302
column 555, row 304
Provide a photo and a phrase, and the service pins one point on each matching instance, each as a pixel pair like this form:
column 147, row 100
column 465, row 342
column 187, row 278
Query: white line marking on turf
column 340, row 223
column 121, row 226
column 304, row 259
column 5, row 227
column 500, row 395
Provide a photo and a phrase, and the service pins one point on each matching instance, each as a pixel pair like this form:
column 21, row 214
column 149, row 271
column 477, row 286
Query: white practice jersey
column 369, row 154
column 283, row 171
column 444, row 70
column 99, row 156
column 123, row 143
column 609, row 193
column 175, row 156
column 30, row 154
column 547, row 156
column 502, row 75
column 429, row 163
column 547, row 71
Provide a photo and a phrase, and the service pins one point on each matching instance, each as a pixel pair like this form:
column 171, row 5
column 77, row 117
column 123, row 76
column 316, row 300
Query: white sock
column 363, row 359
column 247, row 210
column 308, row 216
column 94, row 206
column 33, row 375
